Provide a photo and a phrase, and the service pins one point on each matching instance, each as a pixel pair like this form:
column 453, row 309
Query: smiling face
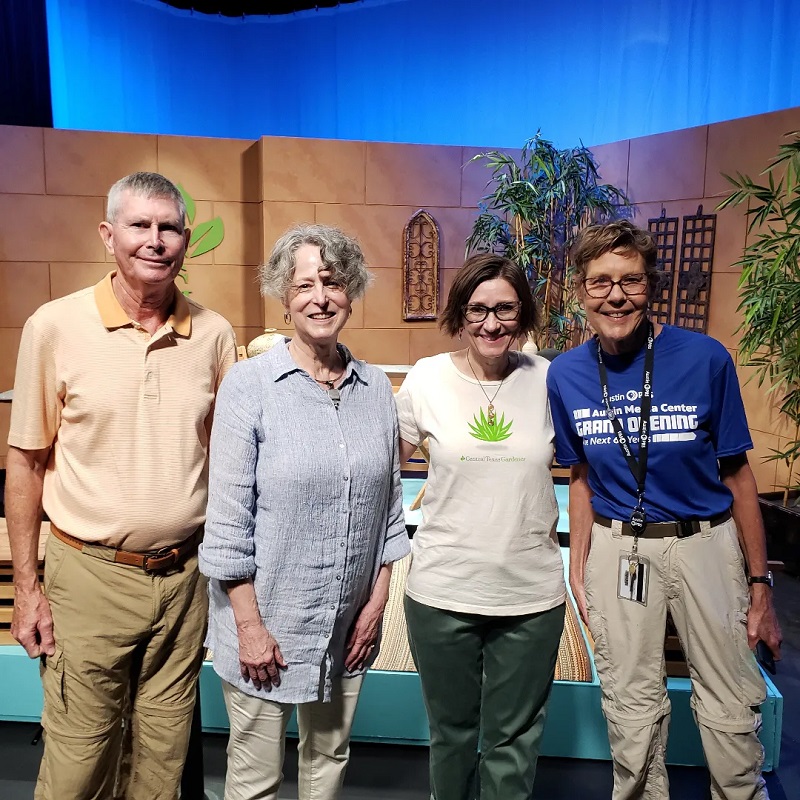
column 318, row 305
column 148, row 241
column 616, row 319
column 492, row 338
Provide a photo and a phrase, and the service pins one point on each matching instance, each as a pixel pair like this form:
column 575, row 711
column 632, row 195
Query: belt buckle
column 162, row 553
column 685, row 528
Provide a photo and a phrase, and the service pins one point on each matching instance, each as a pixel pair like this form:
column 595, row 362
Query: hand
column 32, row 623
column 579, row 593
column 260, row 657
column 762, row 622
column 364, row 636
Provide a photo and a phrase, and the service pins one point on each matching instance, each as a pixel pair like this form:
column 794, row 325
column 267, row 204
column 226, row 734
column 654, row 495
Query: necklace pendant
column 490, row 420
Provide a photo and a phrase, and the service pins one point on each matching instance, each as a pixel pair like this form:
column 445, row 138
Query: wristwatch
column 761, row 579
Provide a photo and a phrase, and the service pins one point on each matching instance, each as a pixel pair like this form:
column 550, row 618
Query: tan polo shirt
column 127, row 415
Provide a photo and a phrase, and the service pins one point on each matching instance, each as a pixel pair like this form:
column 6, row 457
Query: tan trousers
column 701, row 580
column 119, row 632
column 257, row 743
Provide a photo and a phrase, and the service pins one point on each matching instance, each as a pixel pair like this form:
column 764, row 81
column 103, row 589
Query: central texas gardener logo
column 481, row 429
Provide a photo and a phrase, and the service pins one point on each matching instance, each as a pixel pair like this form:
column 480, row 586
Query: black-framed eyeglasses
column 602, row 285
column 505, row 312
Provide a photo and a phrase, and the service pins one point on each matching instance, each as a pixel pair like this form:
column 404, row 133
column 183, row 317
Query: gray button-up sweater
column 305, row 499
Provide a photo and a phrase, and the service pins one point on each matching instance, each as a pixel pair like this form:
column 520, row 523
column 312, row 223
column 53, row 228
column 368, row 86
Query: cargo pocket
column 54, row 684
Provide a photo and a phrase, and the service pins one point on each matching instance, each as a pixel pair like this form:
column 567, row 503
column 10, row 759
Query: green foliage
column 191, row 209
column 533, row 213
column 207, row 236
column 204, row 238
column 481, row 429
column 769, row 286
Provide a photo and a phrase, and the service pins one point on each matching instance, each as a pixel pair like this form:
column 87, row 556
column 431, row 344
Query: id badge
column 633, row 578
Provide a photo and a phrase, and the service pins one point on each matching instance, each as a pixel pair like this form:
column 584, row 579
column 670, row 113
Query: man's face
column 147, row 239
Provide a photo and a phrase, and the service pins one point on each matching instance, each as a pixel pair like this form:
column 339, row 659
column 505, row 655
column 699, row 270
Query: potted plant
column 532, row 214
column 769, row 294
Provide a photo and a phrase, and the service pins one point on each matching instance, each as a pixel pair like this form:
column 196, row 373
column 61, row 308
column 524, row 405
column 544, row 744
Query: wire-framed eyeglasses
column 602, row 285
column 505, row 312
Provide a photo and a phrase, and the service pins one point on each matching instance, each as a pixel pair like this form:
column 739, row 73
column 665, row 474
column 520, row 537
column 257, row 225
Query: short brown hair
column 476, row 270
column 597, row 240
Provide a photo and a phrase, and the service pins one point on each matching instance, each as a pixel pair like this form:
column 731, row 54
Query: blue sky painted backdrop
column 472, row 72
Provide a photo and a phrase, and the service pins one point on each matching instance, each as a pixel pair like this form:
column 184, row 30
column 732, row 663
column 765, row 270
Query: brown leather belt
column 661, row 530
column 154, row 561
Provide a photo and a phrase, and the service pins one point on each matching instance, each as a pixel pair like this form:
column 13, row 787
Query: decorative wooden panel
column 694, row 276
column 664, row 230
column 420, row 268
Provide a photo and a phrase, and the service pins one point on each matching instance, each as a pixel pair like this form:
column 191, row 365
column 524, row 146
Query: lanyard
column 638, row 467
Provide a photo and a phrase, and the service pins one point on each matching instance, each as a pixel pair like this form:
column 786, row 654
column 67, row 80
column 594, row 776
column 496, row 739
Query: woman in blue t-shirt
column 664, row 517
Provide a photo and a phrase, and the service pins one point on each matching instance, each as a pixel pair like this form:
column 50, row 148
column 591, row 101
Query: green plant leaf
column 481, row 429
column 207, row 236
column 190, row 206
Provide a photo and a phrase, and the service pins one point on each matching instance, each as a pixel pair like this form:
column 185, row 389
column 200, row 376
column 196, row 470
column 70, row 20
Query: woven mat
column 573, row 662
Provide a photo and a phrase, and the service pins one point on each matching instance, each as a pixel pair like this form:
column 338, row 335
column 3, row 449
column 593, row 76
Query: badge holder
column 633, row 579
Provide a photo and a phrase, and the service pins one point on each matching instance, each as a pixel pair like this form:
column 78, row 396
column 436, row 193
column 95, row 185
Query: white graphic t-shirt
column 487, row 543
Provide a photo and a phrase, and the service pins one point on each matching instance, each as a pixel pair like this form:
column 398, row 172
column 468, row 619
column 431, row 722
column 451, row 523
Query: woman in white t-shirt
column 485, row 594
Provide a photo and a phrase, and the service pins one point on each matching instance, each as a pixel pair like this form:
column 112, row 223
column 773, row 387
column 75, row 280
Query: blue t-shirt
column 697, row 416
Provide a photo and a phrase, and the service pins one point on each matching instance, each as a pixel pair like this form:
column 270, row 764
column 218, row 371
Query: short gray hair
column 144, row 184
column 340, row 254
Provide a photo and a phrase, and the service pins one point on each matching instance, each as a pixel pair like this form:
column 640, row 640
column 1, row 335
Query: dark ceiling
column 238, row 8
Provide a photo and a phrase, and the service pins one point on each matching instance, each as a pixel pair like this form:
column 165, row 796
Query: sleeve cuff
column 231, row 569
column 397, row 546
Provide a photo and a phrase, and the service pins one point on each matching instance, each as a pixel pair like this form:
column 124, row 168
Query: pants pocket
column 53, row 561
column 53, row 683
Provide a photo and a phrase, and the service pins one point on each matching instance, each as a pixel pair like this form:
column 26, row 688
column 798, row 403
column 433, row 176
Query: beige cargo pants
column 701, row 580
column 116, row 627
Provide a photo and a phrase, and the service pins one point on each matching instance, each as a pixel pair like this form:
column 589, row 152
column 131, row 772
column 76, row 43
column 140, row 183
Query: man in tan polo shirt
column 113, row 401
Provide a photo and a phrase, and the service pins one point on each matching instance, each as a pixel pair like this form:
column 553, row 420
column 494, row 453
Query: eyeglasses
column 505, row 312
column 602, row 285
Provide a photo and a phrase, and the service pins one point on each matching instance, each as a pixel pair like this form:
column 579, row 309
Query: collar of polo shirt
column 113, row 315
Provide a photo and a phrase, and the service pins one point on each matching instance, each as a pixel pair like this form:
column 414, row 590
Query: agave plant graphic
column 205, row 236
column 490, row 433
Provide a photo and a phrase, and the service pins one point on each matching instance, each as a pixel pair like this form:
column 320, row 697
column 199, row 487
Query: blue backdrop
column 471, row 72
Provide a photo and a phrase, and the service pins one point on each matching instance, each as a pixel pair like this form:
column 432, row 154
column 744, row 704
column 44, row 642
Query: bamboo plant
column 532, row 214
column 769, row 289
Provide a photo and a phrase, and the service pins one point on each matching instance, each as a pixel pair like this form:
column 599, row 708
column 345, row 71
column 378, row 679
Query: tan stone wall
column 53, row 184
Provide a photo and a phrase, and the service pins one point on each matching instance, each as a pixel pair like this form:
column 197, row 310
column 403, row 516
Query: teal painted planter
column 391, row 711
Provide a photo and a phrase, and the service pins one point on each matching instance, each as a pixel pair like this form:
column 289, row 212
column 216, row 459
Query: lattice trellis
column 694, row 275
column 420, row 267
column 664, row 230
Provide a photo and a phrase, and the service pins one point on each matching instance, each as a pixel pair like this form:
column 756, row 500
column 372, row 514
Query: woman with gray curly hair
column 304, row 521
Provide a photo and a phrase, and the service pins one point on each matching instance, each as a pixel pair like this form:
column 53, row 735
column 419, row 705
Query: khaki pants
column 257, row 743
column 701, row 580
column 120, row 633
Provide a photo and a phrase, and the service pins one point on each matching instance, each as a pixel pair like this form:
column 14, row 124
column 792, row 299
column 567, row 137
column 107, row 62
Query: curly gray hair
column 143, row 184
column 340, row 254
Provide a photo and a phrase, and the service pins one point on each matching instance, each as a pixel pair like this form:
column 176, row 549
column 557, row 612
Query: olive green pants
column 485, row 682
column 125, row 640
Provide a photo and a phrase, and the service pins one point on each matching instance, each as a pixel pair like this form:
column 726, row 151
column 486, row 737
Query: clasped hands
column 261, row 661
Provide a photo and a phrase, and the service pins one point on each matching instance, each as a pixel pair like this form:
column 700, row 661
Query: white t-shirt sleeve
column 408, row 403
